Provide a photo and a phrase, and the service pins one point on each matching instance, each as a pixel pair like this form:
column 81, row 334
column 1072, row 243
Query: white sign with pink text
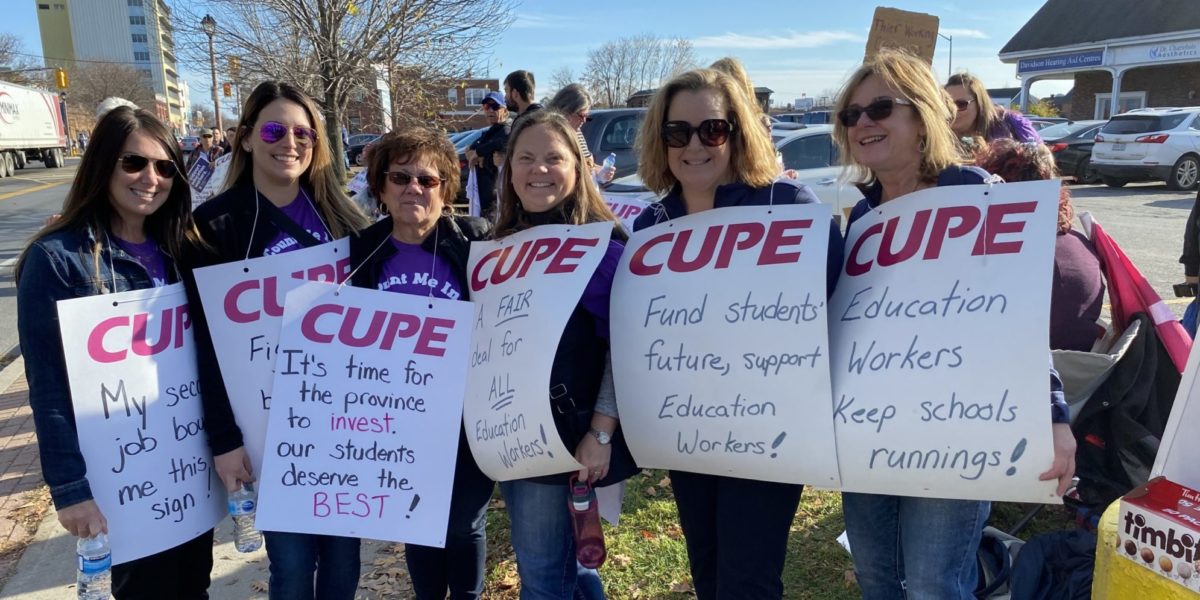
column 243, row 303
column 525, row 287
column 363, row 431
column 131, row 365
column 720, row 353
column 940, row 329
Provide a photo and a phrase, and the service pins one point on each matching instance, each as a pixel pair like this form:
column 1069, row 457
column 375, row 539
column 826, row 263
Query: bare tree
column 13, row 63
column 619, row 68
column 561, row 78
column 333, row 47
column 93, row 82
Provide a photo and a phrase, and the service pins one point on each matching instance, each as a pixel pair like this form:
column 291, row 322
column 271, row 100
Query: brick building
column 1121, row 54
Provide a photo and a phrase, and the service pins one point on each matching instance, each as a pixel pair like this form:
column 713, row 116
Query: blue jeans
column 296, row 557
column 914, row 548
column 544, row 541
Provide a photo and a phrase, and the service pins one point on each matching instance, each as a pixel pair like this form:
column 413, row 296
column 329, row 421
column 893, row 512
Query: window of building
column 452, row 95
column 1127, row 102
column 135, row 2
column 141, row 56
column 137, row 20
column 60, row 6
column 140, row 37
column 475, row 96
column 43, row 7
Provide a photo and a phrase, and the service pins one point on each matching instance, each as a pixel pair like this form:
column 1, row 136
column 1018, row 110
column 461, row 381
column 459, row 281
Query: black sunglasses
column 135, row 163
column 878, row 110
column 712, row 132
column 426, row 181
column 962, row 104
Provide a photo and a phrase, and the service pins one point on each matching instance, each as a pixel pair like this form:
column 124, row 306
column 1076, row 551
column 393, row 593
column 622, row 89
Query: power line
column 79, row 60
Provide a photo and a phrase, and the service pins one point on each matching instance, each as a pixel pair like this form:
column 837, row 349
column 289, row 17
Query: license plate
column 1118, row 147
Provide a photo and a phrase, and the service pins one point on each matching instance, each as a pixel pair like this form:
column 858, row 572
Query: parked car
column 817, row 117
column 356, row 143
column 1150, row 144
column 1071, row 143
column 614, row 131
column 188, row 144
column 796, row 117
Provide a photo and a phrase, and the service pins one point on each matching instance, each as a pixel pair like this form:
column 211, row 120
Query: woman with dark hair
column 126, row 219
column 415, row 176
column 977, row 117
column 281, row 194
column 703, row 146
column 546, row 182
column 1077, row 294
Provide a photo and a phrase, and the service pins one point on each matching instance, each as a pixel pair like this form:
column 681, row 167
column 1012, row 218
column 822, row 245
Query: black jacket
column 227, row 226
column 495, row 139
column 1191, row 242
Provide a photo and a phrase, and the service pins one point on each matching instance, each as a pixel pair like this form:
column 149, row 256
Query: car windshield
column 1062, row 130
column 626, row 185
column 1143, row 123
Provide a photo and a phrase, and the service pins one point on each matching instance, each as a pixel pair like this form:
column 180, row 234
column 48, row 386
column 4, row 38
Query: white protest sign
column 215, row 180
column 525, row 287
column 243, row 303
column 198, row 175
column 1174, row 460
column 940, row 331
column 627, row 207
column 131, row 365
column 720, row 352
column 363, row 434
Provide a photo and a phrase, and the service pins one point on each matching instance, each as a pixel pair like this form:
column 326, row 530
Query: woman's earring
column 921, row 146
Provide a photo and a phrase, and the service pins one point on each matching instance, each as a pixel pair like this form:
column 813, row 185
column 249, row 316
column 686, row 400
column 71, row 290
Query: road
column 25, row 201
column 1147, row 220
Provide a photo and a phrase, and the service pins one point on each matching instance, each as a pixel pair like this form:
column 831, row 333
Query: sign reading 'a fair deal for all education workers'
column 367, row 408
column 131, row 365
column 720, row 352
column 243, row 302
column 525, row 287
column 940, row 357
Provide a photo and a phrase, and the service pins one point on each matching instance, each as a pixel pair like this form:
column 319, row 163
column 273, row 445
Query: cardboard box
column 1158, row 528
column 912, row 31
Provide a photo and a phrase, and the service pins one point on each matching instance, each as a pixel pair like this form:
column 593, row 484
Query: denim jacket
column 57, row 267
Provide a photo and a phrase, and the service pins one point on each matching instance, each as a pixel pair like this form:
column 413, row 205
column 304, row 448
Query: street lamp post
column 950, row 60
column 209, row 25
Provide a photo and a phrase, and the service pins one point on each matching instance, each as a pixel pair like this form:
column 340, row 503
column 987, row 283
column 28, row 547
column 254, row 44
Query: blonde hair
column 752, row 155
column 987, row 117
column 911, row 78
column 583, row 205
column 342, row 216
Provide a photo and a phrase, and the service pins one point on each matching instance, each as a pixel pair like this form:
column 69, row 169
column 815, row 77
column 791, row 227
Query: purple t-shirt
column 149, row 256
column 599, row 287
column 413, row 270
column 300, row 211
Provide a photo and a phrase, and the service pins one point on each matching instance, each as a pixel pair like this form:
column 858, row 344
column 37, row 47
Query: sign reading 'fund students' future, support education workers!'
column 720, row 352
column 131, row 366
column 940, row 359
column 243, row 303
column 367, row 408
column 525, row 287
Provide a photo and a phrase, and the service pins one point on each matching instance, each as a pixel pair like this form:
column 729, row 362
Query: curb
column 11, row 373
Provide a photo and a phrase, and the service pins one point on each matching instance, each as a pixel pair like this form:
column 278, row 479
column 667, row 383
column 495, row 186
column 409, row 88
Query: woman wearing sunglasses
column 546, row 181
column 281, row 194
column 893, row 132
column 415, row 175
column 977, row 117
column 126, row 217
column 703, row 145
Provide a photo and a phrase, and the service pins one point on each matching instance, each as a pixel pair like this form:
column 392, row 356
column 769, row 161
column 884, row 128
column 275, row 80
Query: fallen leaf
column 647, row 534
column 681, row 587
column 620, row 560
column 650, row 491
column 665, row 481
column 849, row 575
column 259, row 586
column 674, row 532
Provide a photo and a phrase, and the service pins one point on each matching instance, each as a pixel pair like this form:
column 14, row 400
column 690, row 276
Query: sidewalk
column 45, row 569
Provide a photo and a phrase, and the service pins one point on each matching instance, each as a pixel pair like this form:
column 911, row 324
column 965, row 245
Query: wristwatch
column 604, row 438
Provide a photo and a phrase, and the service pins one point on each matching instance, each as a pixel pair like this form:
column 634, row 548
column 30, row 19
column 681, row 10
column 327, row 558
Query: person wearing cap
column 206, row 147
column 482, row 151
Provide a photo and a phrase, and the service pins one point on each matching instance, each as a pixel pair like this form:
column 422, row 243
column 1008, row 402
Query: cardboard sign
column 912, row 31
column 525, row 287
column 940, row 360
column 363, row 434
column 131, row 365
column 720, row 350
column 1159, row 529
column 243, row 302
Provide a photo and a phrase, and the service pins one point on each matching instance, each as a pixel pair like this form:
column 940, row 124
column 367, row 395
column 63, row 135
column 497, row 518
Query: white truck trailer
column 31, row 128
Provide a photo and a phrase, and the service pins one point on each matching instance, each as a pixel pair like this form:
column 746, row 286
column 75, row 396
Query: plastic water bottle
column 94, row 579
column 585, row 516
column 608, row 170
column 242, row 505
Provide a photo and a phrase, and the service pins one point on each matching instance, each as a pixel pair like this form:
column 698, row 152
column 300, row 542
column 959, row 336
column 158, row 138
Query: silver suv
column 1150, row 144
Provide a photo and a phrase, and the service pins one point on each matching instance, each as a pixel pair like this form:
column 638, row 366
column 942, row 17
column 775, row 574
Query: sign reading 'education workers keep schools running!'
column 720, row 353
column 131, row 366
column 525, row 287
column 243, row 302
column 363, row 433
column 939, row 327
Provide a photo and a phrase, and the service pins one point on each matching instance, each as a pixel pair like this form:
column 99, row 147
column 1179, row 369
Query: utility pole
column 209, row 25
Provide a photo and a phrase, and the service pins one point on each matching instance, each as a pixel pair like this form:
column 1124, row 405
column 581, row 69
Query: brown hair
column 987, row 116
column 89, row 203
column 911, row 78
column 583, row 205
column 409, row 145
column 752, row 155
column 340, row 214
column 1026, row 161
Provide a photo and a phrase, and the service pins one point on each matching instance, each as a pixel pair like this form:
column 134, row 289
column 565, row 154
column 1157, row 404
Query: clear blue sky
column 790, row 47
